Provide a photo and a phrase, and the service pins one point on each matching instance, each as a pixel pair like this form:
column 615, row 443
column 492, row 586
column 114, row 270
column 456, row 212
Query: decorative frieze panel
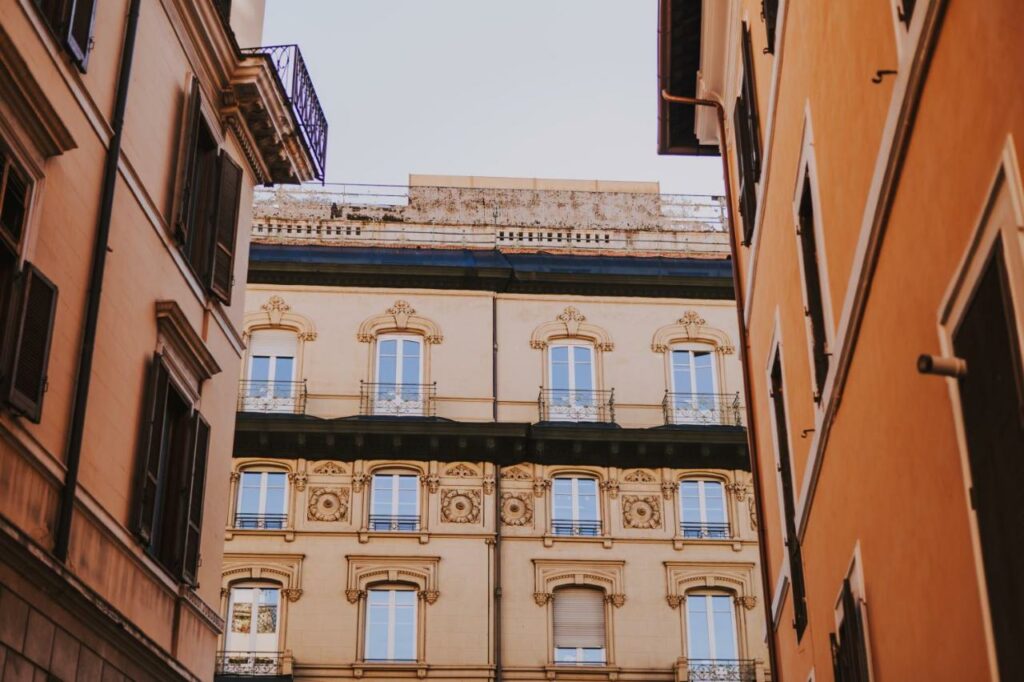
column 639, row 476
column 641, row 511
column 365, row 571
column 736, row 578
column 329, row 468
column 461, row 470
column 328, row 504
column 460, row 505
column 516, row 509
column 517, row 473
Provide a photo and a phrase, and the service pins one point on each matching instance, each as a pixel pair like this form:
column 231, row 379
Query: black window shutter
column 229, row 194
column 194, row 517
column 906, row 11
column 188, row 189
column 770, row 12
column 849, row 648
column 33, row 330
column 750, row 96
column 78, row 30
column 151, row 448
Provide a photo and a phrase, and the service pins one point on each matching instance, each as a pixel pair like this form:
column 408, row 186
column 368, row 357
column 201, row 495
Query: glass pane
column 387, row 362
column 697, row 627
column 377, row 625
column 275, row 494
column 681, row 382
column 566, row 655
column 704, row 372
column 594, row 655
column 259, row 368
column 266, row 616
column 714, row 502
column 241, row 618
column 689, row 494
column 410, row 365
column 583, row 371
column 725, row 634
column 560, row 373
column 249, row 495
column 407, row 502
column 382, row 494
column 405, row 625
column 587, row 498
column 283, row 376
column 561, row 505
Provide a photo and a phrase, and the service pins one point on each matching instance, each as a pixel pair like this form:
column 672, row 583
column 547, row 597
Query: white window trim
column 572, row 364
column 391, row 638
column 775, row 347
column 264, row 485
column 575, row 499
column 692, row 348
column 855, row 573
column 710, row 623
column 400, row 338
column 396, row 495
column 702, row 502
column 254, row 589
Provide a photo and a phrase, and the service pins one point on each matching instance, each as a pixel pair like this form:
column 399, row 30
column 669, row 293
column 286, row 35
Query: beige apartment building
column 490, row 429
column 873, row 149
column 132, row 134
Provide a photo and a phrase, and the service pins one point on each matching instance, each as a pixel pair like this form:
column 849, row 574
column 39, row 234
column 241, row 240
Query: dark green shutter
column 229, row 194
column 151, row 448
column 35, row 308
column 78, row 30
column 184, row 220
column 200, row 432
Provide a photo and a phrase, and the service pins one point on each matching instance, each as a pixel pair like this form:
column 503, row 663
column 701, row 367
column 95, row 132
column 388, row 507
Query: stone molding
column 571, row 324
column 400, row 317
column 691, row 327
column 550, row 574
column 735, row 578
column 365, row 571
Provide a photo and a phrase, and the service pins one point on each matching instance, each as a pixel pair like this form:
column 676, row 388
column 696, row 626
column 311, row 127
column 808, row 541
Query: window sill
column 550, row 539
column 287, row 533
column 366, row 535
column 361, row 667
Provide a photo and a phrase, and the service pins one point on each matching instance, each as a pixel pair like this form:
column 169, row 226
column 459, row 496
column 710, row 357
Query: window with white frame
column 571, row 395
column 391, row 624
column 399, row 380
column 711, row 642
column 694, row 395
column 578, row 615
column 270, row 384
column 395, row 502
column 262, row 499
column 252, row 640
column 702, row 511
column 574, row 506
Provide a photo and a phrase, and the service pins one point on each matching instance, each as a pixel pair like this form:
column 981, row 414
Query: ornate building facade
column 874, row 153
column 490, row 429
column 131, row 136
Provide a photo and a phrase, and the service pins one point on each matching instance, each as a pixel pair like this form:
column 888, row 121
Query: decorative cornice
column 570, row 323
column 400, row 317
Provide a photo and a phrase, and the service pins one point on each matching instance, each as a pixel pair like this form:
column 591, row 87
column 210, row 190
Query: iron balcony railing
column 287, row 397
column 298, row 88
column 397, row 400
column 721, row 409
column 704, row 531
column 721, row 670
column 260, row 521
column 249, row 663
column 393, row 523
column 576, row 405
column 575, row 528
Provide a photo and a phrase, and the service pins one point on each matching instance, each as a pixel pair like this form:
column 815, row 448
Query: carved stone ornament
column 747, row 601
column 307, row 336
column 298, row 480
column 292, row 593
column 432, row 481
column 275, row 307
column 639, row 476
column 753, row 513
column 542, row 598
column 572, row 319
column 401, row 311
column 459, row 505
column 675, row 600
column 515, row 474
column 641, row 511
column 692, row 321
column 737, row 489
column 329, row 467
column 668, row 489
column 236, row 476
column 461, row 470
column 516, row 509
column 429, row 596
column 328, row 504
column 539, row 486
column 354, row 595
column 611, row 487
column 359, row 481
column 616, row 600
column 489, row 485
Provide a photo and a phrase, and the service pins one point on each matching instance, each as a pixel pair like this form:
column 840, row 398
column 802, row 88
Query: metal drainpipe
column 92, row 306
column 744, row 363
column 497, row 496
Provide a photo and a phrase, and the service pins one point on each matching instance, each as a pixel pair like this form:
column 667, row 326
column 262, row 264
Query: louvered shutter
column 770, row 12
column 753, row 121
column 229, row 193
column 78, row 31
column 188, row 191
column 30, row 351
column 579, row 618
column 151, row 448
column 849, row 648
column 200, row 432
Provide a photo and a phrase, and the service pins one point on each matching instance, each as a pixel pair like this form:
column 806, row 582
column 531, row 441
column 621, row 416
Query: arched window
column 262, row 500
column 702, row 511
column 270, row 384
column 575, row 508
column 395, row 501
column 391, row 623
column 711, row 639
column 579, row 626
column 399, row 388
column 572, row 382
column 252, row 640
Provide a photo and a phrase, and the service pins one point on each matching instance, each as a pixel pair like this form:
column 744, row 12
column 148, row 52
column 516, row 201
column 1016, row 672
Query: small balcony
column 704, row 531
column 703, row 409
column 583, row 529
column 577, row 405
column 269, row 666
column 719, row 670
column 260, row 521
column 280, row 397
column 394, row 524
column 397, row 400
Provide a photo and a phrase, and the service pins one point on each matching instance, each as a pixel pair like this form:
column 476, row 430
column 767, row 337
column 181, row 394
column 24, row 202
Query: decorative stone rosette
column 516, row 509
column 641, row 511
column 327, row 504
column 460, row 505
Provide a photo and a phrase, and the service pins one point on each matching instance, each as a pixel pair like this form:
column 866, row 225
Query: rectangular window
column 815, row 310
column 711, row 630
column 796, row 565
column 399, row 389
column 71, row 21
column 391, row 625
column 172, row 469
column 747, row 130
column 395, row 504
column 574, row 507
column 849, row 644
column 579, row 627
column 261, row 500
column 702, row 509
column 571, row 373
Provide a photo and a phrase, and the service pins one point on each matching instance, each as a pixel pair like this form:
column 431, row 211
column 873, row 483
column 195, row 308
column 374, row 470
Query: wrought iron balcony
column 721, row 670
column 302, row 98
column 397, row 400
column 399, row 523
column 249, row 663
column 575, row 528
column 260, row 521
column 720, row 409
column 576, row 405
column 288, row 397
column 704, row 531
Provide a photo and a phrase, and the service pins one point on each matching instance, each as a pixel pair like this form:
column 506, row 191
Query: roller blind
column 579, row 618
column 272, row 342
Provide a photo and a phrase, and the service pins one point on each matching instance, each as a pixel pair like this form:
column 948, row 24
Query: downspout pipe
column 744, row 363
column 497, row 496
column 92, row 306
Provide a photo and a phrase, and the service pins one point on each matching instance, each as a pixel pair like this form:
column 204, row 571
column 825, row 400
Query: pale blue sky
column 533, row 88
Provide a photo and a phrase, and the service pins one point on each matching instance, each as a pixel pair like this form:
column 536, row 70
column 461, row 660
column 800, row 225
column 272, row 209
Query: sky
column 522, row 88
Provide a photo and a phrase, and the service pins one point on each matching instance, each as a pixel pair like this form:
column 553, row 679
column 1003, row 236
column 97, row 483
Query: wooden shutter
column 229, row 193
column 187, row 199
column 78, row 30
column 579, row 618
column 200, row 433
column 151, row 448
column 770, row 12
column 849, row 648
column 36, row 305
column 753, row 121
